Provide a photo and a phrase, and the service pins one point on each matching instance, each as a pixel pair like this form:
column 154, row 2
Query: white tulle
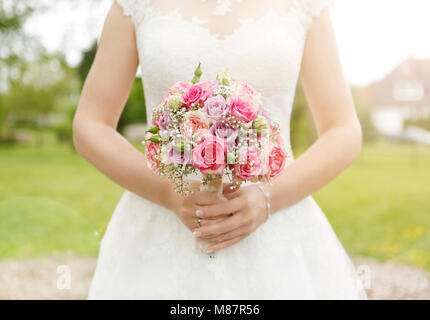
column 146, row 252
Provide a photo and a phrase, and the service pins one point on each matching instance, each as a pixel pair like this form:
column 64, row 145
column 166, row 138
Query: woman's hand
column 190, row 209
column 248, row 207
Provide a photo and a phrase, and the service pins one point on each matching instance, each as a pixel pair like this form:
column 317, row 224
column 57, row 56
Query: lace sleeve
column 315, row 7
column 311, row 8
column 136, row 9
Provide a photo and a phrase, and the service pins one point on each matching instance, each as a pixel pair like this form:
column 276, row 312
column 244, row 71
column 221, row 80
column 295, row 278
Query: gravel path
column 68, row 277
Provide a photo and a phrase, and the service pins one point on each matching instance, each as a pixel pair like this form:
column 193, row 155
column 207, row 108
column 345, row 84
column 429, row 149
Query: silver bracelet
column 267, row 196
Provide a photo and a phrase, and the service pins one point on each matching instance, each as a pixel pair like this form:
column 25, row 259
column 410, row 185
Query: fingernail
column 197, row 233
column 199, row 213
column 209, row 250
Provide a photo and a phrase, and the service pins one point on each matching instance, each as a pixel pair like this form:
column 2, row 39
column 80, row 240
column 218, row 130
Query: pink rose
column 242, row 109
column 193, row 121
column 209, row 155
column 152, row 150
column 251, row 167
column 277, row 159
column 246, row 89
column 208, row 87
column 179, row 87
column 197, row 94
column 201, row 134
column 249, row 94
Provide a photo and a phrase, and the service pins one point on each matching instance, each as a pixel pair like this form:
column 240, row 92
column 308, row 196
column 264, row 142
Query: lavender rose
column 226, row 132
column 178, row 154
column 216, row 107
column 164, row 120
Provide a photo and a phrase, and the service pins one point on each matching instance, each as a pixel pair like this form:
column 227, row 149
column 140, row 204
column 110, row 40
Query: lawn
column 53, row 201
column 380, row 207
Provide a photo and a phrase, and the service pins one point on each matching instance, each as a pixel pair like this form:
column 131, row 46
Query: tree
column 33, row 84
column 15, row 46
column 13, row 14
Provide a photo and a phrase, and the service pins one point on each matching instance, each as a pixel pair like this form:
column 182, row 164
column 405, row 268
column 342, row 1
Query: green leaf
column 155, row 138
column 153, row 129
column 197, row 74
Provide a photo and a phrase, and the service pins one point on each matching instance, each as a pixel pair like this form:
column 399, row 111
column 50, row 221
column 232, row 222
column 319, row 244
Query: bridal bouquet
column 213, row 131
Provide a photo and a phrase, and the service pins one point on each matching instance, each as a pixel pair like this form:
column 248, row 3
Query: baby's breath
column 169, row 116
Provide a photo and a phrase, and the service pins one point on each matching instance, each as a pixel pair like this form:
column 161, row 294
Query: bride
column 148, row 250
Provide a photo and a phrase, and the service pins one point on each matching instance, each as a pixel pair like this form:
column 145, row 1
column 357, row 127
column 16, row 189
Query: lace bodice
column 261, row 42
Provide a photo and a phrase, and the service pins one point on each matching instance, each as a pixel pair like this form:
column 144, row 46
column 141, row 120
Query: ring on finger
column 199, row 222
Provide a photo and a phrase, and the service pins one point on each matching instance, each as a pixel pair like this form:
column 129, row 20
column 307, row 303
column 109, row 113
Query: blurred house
column 403, row 95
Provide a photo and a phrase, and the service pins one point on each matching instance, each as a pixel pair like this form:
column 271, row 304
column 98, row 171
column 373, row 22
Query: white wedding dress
column 146, row 252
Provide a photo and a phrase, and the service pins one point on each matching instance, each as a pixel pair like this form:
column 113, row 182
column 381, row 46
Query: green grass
column 380, row 207
column 53, row 201
column 35, row 226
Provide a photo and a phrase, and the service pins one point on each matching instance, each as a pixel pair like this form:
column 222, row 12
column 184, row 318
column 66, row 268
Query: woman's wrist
column 171, row 200
column 266, row 193
column 277, row 197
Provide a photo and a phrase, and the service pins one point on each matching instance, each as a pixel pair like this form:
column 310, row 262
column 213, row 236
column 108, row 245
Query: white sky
column 373, row 35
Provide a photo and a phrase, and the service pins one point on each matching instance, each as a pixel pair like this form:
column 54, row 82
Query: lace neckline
column 204, row 25
column 221, row 18
column 222, row 6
